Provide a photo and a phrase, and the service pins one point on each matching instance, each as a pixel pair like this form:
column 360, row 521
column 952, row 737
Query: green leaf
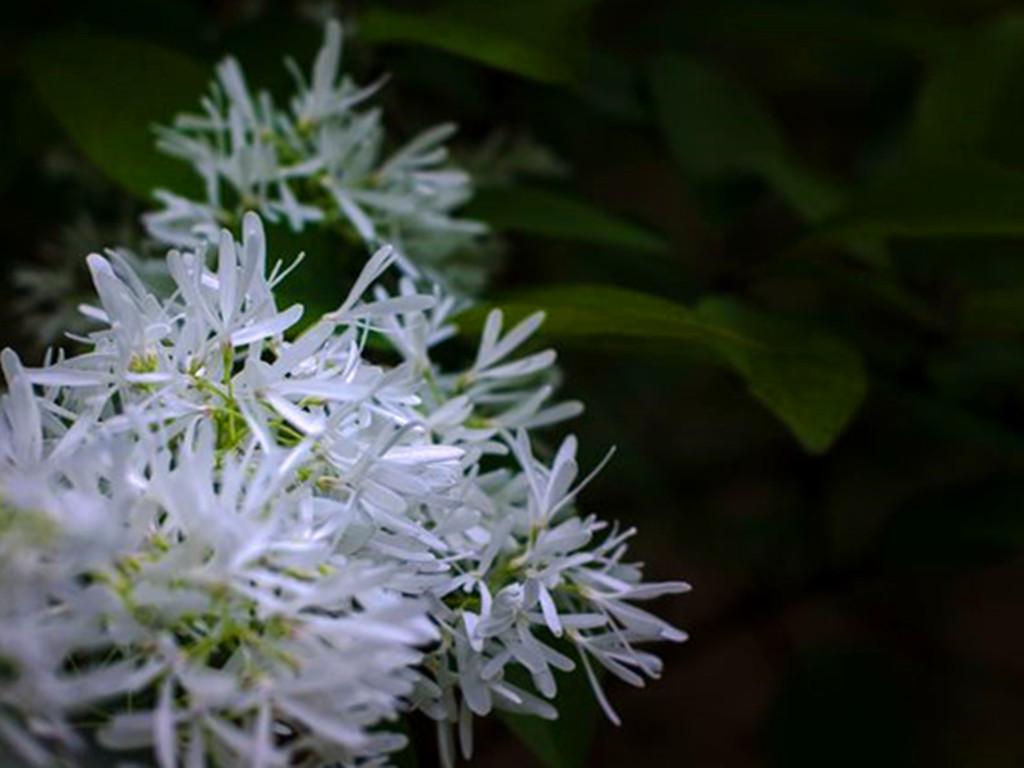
column 971, row 199
column 541, row 42
column 942, row 419
column 821, row 43
column 980, row 375
column 714, row 128
column 550, row 214
column 958, row 107
column 811, row 381
column 108, row 93
column 998, row 309
column 593, row 312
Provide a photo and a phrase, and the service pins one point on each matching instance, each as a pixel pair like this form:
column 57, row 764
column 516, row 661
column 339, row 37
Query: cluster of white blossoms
column 321, row 161
column 230, row 545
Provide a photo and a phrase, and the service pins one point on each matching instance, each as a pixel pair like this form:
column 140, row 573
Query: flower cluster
column 233, row 543
column 320, row 161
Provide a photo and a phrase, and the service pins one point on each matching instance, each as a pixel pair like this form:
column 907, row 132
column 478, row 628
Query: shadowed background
column 839, row 184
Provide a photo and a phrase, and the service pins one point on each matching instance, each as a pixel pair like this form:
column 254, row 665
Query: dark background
column 847, row 169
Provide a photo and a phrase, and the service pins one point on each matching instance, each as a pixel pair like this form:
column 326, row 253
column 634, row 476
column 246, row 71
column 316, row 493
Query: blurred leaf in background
column 977, row 199
column 715, row 128
column 109, row 93
column 551, row 214
column 959, row 107
column 591, row 313
column 812, row 381
column 538, row 39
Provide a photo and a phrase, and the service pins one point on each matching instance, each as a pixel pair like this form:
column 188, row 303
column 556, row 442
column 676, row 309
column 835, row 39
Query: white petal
column 272, row 326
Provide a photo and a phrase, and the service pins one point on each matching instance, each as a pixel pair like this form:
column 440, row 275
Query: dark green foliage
column 812, row 381
column 109, row 93
column 785, row 270
column 536, row 39
column 716, row 129
column 550, row 214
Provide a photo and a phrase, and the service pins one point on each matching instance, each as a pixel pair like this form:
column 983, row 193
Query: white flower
column 320, row 161
column 251, row 547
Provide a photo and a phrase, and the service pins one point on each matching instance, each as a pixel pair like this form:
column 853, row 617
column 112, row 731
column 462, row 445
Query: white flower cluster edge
column 321, row 161
column 235, row 549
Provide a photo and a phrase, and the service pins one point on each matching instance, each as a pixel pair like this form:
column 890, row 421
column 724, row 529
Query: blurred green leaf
column 108, row 93
column 715, row 128
column 811, row 381
column 540, row 42
column 712, row 125
column 936, row 200
column 967, row 262
column 958, row 106
column 984, row 374
column 491, row 48
column 591, row 312
column 994, row 310
column 941, row 418
column 550, row 214
column 817, row 44
column 165, row 22
column 615, row 88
